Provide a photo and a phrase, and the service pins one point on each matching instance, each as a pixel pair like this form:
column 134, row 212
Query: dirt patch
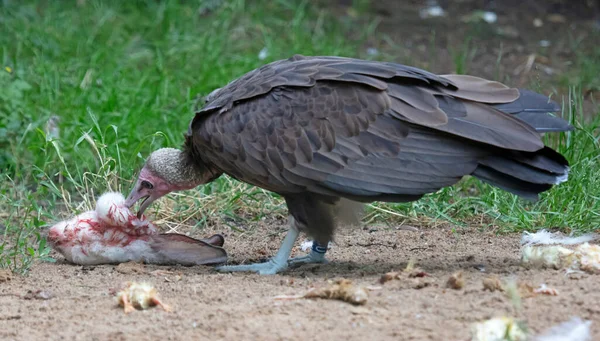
column 207, row 304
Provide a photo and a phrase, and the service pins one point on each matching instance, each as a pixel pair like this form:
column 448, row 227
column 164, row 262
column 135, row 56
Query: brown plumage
column 315, row 129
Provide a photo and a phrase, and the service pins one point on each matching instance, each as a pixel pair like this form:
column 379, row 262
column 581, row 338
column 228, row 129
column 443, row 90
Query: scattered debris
column 420, row 284
column 499, row 329
column 555, row 257
column 410, row 272
column 515, row 291
column 418, row 274
column 87, row 79
column 175, row 278
column 432, row 11
column 139, row 296
column 546, row 249
column 514, row 288
column 586, row 257
column 545, row 43
column 487, row 16
column 342, row 289
column 161, row 272
column 526, row 67
column 371, row 51
column 572, row 330
column 5, row 275
column 492, row 283
column 373, row 288
column 52, row 129
column 38, row 295
column 388, row 276
column 263, row 54
column 169, row 276
column 456, row 281
column 413, row 276
column 545, row 290
column 525, row 290
column 479, row 267
column 130, row 268
column 410, row 266
column 359, row 311
column 407, row 228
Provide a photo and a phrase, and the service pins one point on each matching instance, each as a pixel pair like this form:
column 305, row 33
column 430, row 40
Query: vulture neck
column 180, row 169
column 193, row 172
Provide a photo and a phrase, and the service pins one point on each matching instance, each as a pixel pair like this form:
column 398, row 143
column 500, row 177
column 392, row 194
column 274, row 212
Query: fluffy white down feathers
column 110, row 208
column 575, row 329
column 544, row 237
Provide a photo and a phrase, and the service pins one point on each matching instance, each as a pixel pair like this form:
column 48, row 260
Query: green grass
column 123, row 76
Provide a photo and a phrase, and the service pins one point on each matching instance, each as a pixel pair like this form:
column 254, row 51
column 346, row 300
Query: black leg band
column 318, row 248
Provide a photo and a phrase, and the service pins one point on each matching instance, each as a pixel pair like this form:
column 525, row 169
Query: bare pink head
column 166, row 170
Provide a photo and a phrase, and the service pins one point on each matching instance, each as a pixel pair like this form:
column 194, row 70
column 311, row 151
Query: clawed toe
column 267, row 268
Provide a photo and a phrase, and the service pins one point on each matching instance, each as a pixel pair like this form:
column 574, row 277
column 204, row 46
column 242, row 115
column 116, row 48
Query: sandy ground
column 78, row 303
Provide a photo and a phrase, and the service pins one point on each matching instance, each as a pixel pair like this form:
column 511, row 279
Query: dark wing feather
column 370, row 153
column 364, row 130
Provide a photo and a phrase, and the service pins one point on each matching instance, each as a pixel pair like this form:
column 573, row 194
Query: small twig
column 287, row 297
column 407, row 228
column 10, row 294
column 387, row 211
column 374, row 244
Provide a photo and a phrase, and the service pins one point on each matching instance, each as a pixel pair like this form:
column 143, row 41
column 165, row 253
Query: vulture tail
column 522, row 173
column 534, row 109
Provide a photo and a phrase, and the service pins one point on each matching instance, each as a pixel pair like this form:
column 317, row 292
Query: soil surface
column 62, row 301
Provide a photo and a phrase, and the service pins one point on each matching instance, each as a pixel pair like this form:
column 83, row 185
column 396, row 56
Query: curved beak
column 136, row 195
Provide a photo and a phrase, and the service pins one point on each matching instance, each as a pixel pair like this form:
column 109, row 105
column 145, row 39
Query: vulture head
column 166, row 170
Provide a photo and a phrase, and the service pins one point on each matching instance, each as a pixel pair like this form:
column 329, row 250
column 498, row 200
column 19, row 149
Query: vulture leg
column 308, row 214
column 317, row 255
column 315, row 216
column 275, row 264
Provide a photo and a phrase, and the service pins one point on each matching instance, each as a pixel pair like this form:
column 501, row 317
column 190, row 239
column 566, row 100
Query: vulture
column 324, row 130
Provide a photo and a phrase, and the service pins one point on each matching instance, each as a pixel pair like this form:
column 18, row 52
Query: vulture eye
column 146, row 184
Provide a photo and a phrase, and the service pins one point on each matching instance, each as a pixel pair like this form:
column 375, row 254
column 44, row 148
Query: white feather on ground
column 544, row 237
column 573, row 330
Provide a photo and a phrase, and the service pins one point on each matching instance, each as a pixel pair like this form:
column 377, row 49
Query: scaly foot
column 270, row 267
column 275, row 264
column 313, row 257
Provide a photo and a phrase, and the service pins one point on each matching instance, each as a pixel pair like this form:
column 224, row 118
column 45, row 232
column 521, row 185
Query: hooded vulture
column 323, row 130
